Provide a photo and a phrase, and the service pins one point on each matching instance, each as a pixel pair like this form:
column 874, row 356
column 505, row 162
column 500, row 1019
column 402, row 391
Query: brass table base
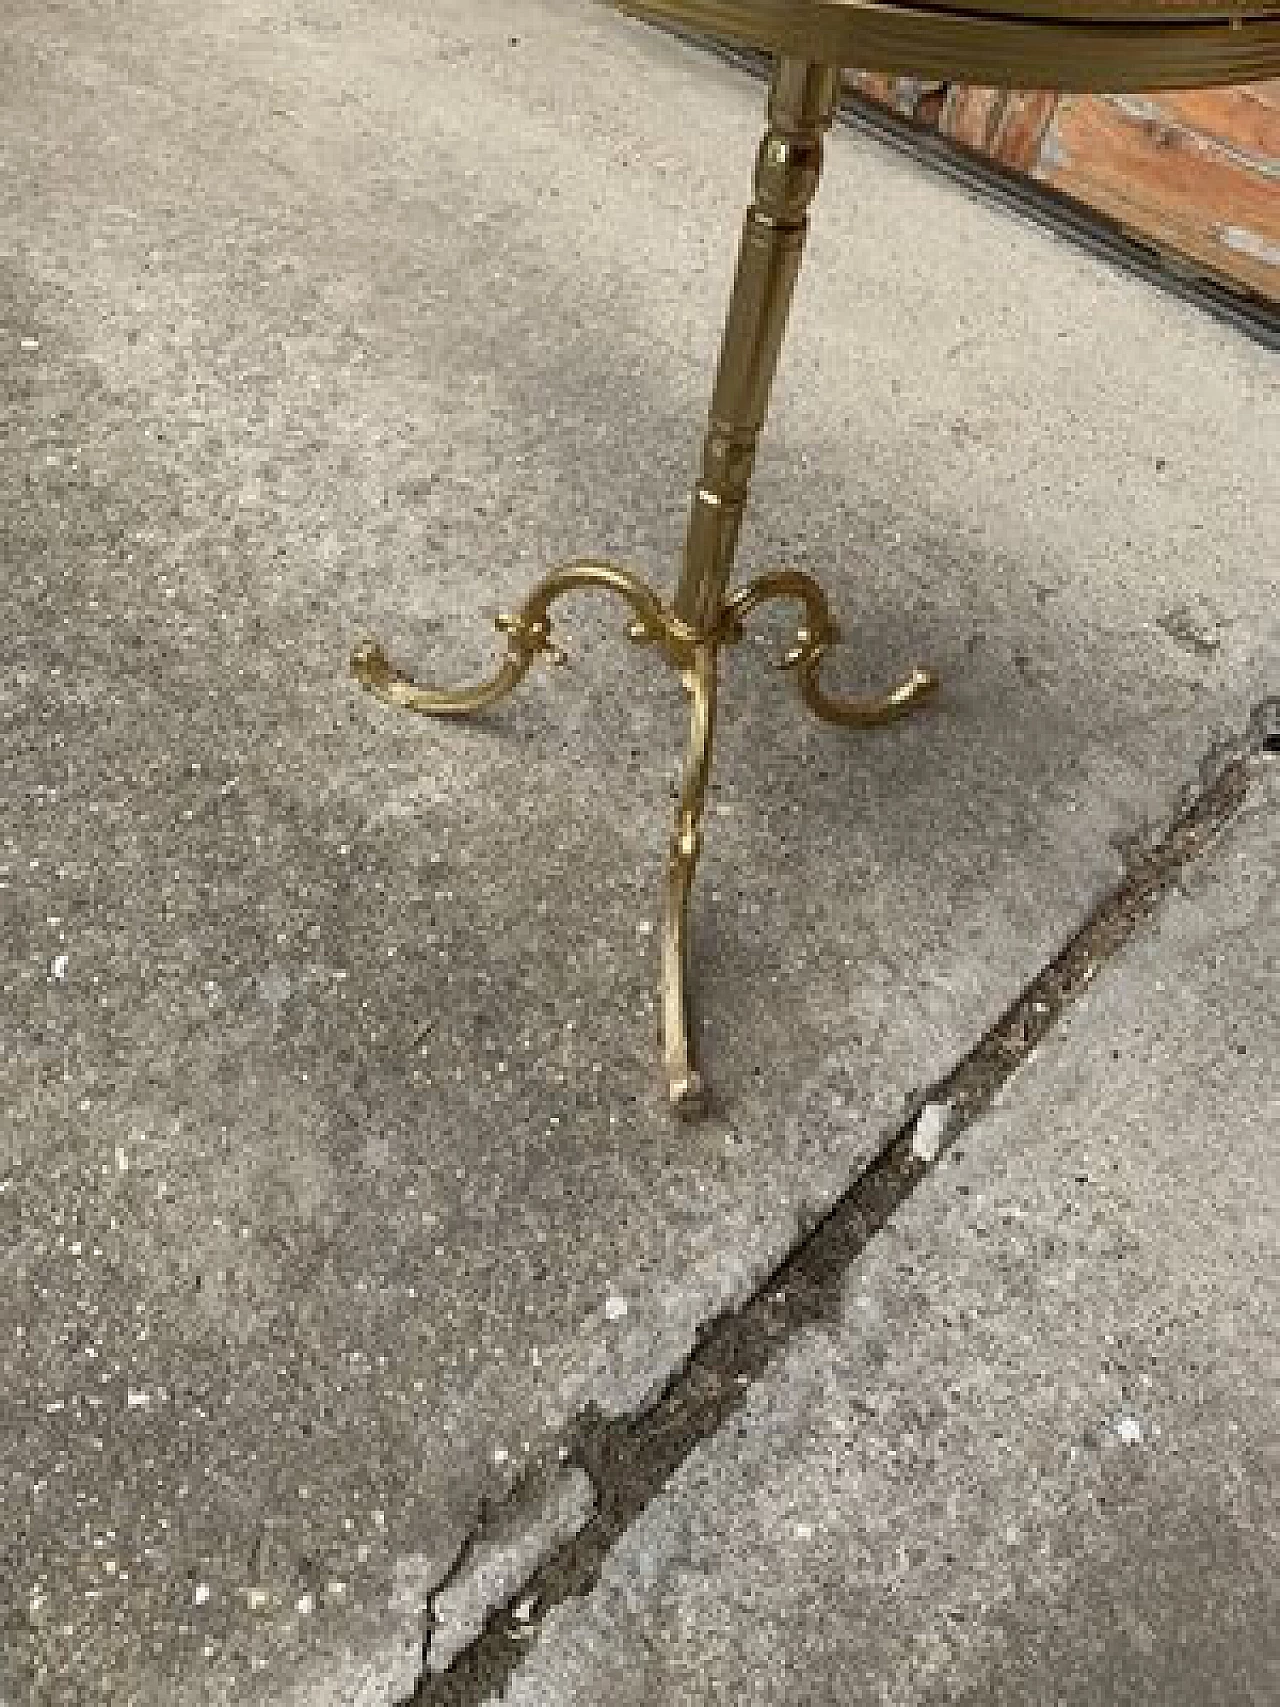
column 697, row 658
column 704, row 617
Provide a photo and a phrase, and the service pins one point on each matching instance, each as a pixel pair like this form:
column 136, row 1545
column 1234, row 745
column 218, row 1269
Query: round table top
column 1110, row 45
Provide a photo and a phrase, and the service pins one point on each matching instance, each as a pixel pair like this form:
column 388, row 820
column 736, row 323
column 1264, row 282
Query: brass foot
column 684, row 1082
column 818, row 631
column 528, row 635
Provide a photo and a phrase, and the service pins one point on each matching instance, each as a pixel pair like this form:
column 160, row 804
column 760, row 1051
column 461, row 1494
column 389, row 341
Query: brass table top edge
column 1074, row 46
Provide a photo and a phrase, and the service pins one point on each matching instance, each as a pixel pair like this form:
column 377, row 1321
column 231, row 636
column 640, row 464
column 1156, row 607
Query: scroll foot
column 815, row 634
column 528, row 635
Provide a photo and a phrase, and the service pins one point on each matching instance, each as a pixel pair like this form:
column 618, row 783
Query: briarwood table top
column 1111, row 45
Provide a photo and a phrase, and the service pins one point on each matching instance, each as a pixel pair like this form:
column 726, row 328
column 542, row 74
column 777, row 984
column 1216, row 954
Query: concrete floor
column 333, row 1140
column 1035, row 1460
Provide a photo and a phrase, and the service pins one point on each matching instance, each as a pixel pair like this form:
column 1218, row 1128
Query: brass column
column 802, row 102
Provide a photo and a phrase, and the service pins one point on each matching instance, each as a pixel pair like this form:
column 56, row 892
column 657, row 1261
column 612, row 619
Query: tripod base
column 696, row 655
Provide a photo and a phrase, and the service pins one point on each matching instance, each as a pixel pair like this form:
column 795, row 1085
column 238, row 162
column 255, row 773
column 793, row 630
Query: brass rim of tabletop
column 1033, row 44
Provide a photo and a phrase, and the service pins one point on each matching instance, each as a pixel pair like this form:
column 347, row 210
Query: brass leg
column 528, row 634
column 684, row 1082
column 815, row 634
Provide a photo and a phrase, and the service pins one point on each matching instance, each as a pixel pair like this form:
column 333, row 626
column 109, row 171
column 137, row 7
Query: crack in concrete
column 544, row 1515
column 463, row 1561
column 630, row 1459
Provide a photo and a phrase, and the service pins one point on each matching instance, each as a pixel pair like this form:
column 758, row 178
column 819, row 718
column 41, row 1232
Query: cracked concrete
column 1033, row 1458
column 490, row 1572
column 330, row 1113
column 632, row 1459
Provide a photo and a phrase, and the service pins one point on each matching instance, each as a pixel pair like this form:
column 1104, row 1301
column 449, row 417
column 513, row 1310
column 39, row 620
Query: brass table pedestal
column 1056, row 44
column 705, row 616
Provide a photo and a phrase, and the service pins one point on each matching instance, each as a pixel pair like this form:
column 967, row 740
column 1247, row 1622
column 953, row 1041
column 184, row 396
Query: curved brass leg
column 528, row 634
column 815, row 634
column 683, row 1079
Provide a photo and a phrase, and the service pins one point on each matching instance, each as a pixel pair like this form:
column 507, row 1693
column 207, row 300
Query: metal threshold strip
column 1178, row 274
